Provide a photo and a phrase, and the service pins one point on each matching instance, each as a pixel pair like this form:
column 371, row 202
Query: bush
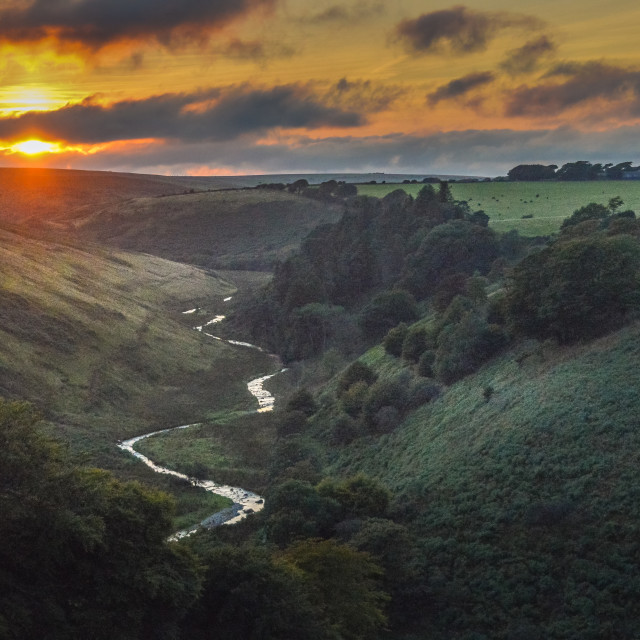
column 390, row 392
column 422, row 392
column 344, row 430
column 393, row 341
column 386, row 419
column 415, row 343
column 353, row 399
column 463, row 347
column 302, row 401
column 356, row 372
column 425, row 364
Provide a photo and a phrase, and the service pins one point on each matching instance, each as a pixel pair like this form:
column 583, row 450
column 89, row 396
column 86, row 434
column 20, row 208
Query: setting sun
column 33, row 147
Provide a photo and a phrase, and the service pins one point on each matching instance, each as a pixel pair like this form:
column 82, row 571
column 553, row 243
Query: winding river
column 244, row 502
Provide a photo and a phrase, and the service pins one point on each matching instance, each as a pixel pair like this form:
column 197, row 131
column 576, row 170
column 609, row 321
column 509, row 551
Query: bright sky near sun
column 267, row 86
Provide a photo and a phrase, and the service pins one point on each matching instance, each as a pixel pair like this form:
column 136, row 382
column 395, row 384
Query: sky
column 227, row 87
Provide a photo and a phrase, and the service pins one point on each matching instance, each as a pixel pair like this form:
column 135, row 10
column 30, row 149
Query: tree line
column 574, row 171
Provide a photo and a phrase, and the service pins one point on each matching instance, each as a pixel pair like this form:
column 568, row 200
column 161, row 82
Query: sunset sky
column 206, row 87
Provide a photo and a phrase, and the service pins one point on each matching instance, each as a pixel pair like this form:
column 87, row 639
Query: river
column 244, row 502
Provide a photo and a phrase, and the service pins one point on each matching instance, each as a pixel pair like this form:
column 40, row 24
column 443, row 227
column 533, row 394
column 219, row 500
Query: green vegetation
column 549, row 203
column 229, row 450
column 453, row 453
column 525, row 500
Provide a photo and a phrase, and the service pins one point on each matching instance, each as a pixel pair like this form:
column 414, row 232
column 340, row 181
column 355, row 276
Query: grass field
column 548, row 202
column 232, row 449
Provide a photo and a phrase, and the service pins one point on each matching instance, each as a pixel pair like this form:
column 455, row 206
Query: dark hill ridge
column 58, row 194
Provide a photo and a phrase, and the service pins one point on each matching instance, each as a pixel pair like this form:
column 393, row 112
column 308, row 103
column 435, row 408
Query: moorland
column 454, row 448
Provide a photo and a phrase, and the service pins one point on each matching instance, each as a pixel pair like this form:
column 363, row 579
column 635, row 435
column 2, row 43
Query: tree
column 532, row 172
column 591, row 211
column 359, row 496
column 82, row 555
column 386, row 311
column 248, row 594
column 580, row 170
column 455, row 247
column 577, row 289
column 303, row 401
column 444, row 192
column 295, row 510
column 346, row 584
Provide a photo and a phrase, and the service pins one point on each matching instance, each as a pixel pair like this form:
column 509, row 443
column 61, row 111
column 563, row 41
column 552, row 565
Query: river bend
column 244, row 502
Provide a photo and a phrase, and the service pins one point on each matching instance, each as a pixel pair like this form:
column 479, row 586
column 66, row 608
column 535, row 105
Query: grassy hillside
column 54, row 194
column 88, row 336
column 548, row 202
column 526, row 502
column 226, row 229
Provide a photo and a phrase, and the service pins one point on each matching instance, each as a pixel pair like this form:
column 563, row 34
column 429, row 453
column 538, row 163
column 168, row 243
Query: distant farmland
column 548, row 202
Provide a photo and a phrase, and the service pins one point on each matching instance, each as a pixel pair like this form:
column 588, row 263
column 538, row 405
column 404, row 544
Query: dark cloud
column 571, row 84
column 208, row 115
column 526, row 58
column 470, row 152
column 345, row 13
column 461, row 86
column 459, row 30
column 96, row 23
column 362, row 96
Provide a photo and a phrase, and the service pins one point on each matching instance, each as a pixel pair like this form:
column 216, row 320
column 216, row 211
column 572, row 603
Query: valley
column 452, row 447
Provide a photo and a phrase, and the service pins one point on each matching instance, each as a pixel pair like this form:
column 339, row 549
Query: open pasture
column 548, row 202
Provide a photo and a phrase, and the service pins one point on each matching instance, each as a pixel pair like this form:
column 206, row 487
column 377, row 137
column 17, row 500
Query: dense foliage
column 580, row 170
column 355, row 280
column 82, row 555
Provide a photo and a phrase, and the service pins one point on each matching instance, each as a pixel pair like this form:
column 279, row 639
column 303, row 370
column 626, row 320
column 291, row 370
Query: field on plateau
column 548, row 202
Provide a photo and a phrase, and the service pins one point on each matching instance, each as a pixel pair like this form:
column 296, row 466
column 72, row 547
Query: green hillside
column 96, row 340
column 526, row 502
column 246, row 229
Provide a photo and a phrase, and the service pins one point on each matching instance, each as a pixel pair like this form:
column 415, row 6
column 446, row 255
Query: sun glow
column 34, row 147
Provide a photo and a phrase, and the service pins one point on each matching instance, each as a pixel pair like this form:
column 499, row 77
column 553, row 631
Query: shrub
column 415, row 343
column 425, row 364
column 303, row 401
column 353, row 399
column 393, row 341
column 344, row 430
column 356, row 372
column 422, row 392
column 463, row 347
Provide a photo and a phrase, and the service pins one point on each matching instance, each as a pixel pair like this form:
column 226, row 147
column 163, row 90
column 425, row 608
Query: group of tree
column 330, row 190
column 580, row 170
column 83, row 555
column 354, row 280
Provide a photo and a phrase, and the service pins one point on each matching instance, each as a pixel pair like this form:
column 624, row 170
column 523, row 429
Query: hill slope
column 90, row 338
column 527, row 504
column 224, row 229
